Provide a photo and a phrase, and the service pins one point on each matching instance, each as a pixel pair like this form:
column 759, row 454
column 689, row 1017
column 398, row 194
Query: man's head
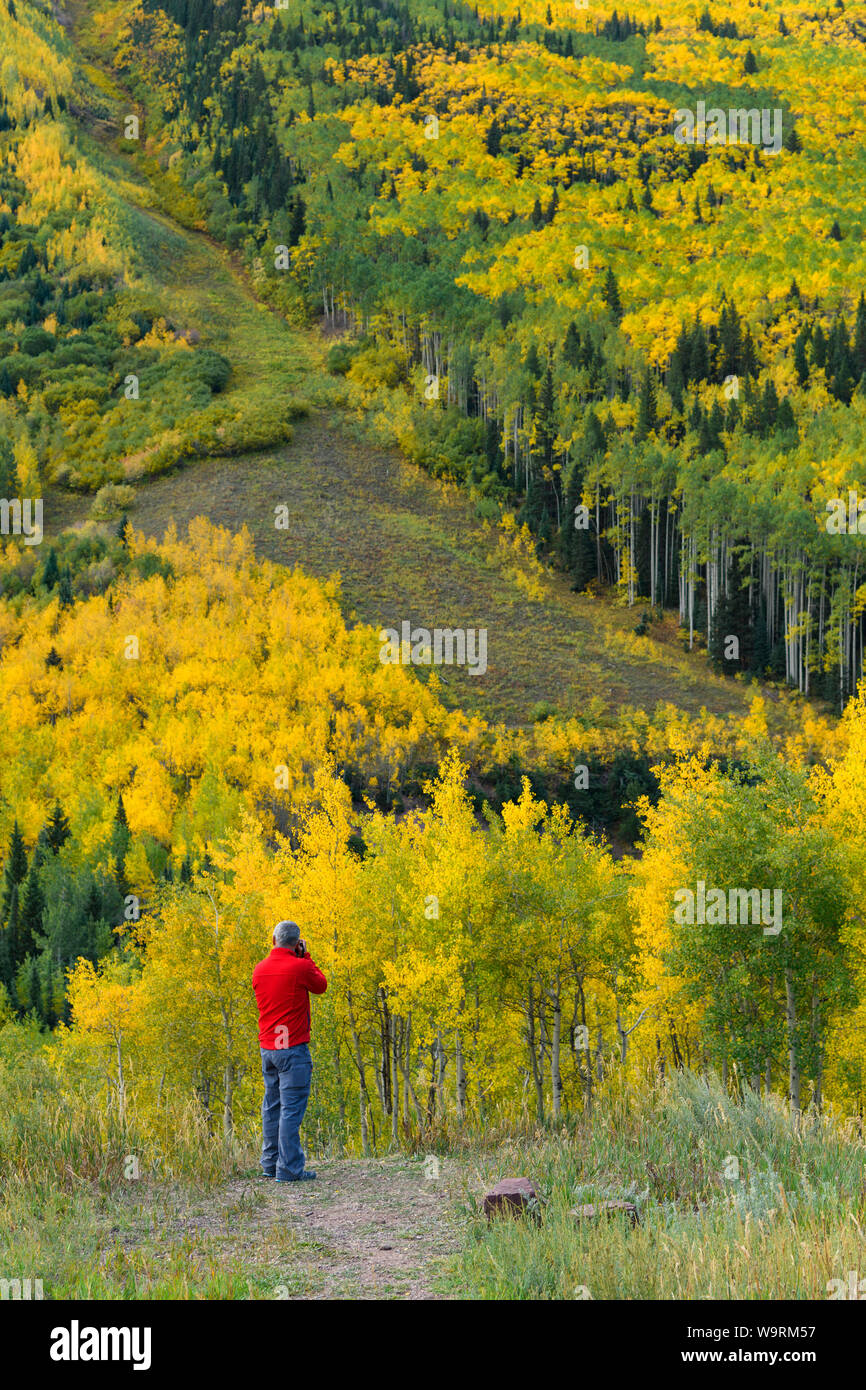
column 287, row 934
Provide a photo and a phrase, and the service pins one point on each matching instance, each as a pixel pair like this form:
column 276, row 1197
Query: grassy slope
column 407, row 547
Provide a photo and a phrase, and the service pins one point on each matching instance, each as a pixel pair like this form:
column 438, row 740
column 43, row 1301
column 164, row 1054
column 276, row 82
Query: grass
column 787, row 1225
column 198, row 1221
column 408, row 548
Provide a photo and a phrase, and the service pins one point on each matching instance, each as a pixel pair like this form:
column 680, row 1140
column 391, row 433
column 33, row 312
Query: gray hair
column 286, row 934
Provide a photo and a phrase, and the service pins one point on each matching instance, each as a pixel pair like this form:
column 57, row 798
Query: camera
column 301, row 949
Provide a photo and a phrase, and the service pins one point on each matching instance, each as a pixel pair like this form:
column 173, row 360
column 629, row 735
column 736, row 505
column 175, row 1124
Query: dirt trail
column 364, row 1229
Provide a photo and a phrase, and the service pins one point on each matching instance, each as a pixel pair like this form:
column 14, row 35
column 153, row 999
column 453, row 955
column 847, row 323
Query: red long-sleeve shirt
column 283, row 983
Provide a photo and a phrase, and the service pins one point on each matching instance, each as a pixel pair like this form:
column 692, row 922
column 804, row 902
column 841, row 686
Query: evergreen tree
column 801, row 366
column 14, row 870
column 750, row 356
column 51, row 570
column 34, row 989
column 31, row 909
column 750, row 63
column 785, row 422
column 577, row 542
column 705, row 437
column 720, row 630
column 676, row 377
column 571, row 346
column 120, row 879
column 732, row 416
column 493, row 138
column 699, row 354
column 769, row 408
column 533, row 361
column 859, row 354
column 715, row 425
column 730, row 342
column 819, row 347
column 760, row 647
column 298, row 223
column 610, row 295
column 56, row 830
column 49, row 1012
column 9, row 933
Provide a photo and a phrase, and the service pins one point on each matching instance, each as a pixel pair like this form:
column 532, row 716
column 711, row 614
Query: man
column 283, row 983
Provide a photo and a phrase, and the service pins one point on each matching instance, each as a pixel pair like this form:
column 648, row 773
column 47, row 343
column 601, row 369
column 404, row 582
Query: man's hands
column 301, row 947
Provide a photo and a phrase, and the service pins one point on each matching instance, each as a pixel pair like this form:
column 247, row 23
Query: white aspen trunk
column 461, row 1082
column 533, row 1058
column 395, row 1081
column 791, row 1022
column 555, row 1048
column 121, row 1081
column 362, row 1082
column 598, row 527
column 228, row 1100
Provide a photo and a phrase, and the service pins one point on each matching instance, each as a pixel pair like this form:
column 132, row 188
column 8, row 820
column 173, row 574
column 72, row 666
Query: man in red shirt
column 283, row 983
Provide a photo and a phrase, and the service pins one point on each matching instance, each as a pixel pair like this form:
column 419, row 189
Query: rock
column 510, row 1197
column 608, row 1209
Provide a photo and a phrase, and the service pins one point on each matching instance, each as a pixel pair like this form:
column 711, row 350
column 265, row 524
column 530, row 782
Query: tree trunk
column 228, row 1100
column 533, row 1058
column 461, row 1081
column 793, row 1061
column 555, row 1073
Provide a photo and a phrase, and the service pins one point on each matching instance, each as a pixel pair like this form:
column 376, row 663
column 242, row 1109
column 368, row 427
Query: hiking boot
column 307, row 1176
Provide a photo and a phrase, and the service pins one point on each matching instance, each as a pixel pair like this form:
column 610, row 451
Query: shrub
column 376, row 366
column 340, row 357
column 35, row 341
column 110, row 500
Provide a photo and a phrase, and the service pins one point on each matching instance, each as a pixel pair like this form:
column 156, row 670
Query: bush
column 35, row 341
column 376, row 366
column 542, row 710
column 110, row 500
column 212, row 368
column 340, row 357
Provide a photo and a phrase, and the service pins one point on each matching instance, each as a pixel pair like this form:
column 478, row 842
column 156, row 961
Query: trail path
column 365, row 1229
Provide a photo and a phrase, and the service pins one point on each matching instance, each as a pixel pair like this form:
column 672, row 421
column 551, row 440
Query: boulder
column 592, row 1210
column 510, row 1197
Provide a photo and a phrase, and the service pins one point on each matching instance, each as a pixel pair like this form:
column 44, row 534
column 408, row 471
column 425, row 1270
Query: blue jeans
column 287, row 1072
